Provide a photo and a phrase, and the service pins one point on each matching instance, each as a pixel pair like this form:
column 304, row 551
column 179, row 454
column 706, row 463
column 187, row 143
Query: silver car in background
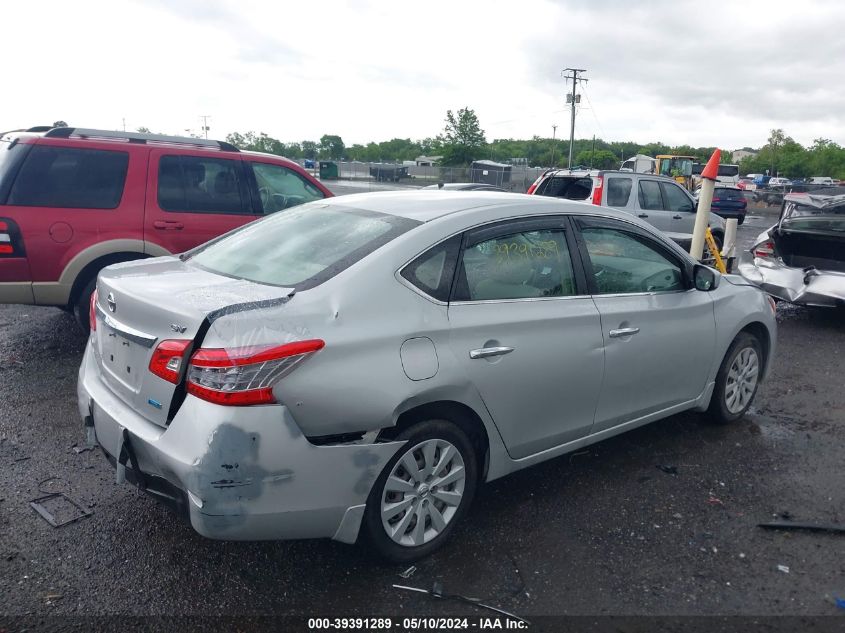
column 801, row 259
column 357, row 366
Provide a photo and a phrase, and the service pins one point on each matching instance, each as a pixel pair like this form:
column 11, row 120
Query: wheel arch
column 462, row 415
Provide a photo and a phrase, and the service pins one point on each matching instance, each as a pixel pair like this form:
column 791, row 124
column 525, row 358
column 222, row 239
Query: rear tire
column 83, row 305
column 439, row 452
column 737, row 380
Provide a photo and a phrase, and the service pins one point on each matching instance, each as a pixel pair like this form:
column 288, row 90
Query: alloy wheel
column 742, row 380
column 423, row 492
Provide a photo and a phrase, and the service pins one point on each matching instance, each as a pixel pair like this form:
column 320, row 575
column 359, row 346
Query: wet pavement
column 601, row 531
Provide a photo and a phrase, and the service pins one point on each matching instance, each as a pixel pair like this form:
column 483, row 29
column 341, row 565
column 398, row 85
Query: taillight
column 8, row 231
column 597, row 190
column 167, row 359
column 245, row 376
column 764, row 250
column 92, row 311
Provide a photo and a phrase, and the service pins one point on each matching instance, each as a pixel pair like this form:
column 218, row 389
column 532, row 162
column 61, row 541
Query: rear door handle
column 677, row 217
column 643, row 215
column 625, row 331
column 487, row 352
column 168, row 225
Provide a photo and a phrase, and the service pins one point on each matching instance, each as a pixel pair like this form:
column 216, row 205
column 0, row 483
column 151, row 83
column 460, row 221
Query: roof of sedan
column 428, row 205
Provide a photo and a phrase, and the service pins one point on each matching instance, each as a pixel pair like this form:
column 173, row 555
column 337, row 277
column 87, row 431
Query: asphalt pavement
column 660, row 520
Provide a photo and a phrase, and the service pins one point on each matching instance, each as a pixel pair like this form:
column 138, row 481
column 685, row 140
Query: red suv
column 74, row 200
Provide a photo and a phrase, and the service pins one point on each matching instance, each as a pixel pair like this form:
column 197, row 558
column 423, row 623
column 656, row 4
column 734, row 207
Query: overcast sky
column 701, row 73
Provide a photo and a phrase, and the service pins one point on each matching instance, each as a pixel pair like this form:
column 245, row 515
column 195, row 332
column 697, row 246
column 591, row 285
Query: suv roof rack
column 137, row 137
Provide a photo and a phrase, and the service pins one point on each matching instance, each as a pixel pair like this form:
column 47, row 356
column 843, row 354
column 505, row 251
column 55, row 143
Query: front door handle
column 643, row 215
column 487, row 352
column 168, row 225
column 677, row 217
column 625, row 331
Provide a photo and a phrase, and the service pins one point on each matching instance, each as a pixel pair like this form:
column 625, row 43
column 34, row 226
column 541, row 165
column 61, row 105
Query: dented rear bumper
column 244, row 473
column 808, row 287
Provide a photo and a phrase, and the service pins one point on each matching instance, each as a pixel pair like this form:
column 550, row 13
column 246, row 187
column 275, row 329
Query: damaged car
column 356, row 367
column 801, row 259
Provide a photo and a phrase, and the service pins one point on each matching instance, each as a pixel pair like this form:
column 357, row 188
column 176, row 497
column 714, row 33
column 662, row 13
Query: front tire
column 737, row 380
column 422, row 493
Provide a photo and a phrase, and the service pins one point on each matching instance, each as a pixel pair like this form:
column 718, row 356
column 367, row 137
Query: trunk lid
column 142, row 303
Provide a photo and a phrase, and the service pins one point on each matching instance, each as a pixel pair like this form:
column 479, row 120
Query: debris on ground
column 715, row 501
column 82, row 449
column 64, row 510
column 408, row 572
column 669, row 470
column 437, row 592
column 783, row 568
column 839, row 602
column 811, row 527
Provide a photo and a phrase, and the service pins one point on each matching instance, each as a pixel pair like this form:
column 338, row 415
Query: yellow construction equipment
column 719, row 263
column 677, row 167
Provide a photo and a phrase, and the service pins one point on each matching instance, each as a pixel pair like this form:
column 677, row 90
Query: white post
column 730, row 238
column 705, row 199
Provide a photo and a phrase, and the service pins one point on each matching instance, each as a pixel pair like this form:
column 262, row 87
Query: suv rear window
column 302, row 247
column 569, row 187
column 70, row 177
column 728, row 194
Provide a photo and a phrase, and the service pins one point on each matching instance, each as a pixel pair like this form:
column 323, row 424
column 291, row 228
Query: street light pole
column 575, row 79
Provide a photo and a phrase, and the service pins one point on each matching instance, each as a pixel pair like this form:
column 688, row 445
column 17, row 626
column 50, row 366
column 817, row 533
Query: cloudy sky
column 701, row 73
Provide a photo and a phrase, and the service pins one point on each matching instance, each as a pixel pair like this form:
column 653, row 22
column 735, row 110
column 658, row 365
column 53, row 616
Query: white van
column 821, row 180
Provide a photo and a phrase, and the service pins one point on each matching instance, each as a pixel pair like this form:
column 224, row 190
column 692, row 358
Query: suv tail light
column 598, row 189
column 764, row 250
column 246, row 375
column 167, row 358
column 10, row 243
column 92, row 311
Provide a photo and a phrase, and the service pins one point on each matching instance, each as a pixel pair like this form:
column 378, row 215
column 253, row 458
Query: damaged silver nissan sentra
column 801, row 259
column 359, row 365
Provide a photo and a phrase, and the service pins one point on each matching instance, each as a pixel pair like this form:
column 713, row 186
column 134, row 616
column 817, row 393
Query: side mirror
column 705, row 278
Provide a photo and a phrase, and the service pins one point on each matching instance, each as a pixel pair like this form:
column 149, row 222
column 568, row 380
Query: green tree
column 309, row 149
column 60, row 123
column 598, row 159
column 331, row 146
column 463, row 138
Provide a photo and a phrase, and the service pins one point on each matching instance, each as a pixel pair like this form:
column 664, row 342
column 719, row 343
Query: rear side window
column 432, row 272
column 650, row 197
column 618, row 191
column 280, row 188
column 11, row 155
column 69, row 177
column 302, row 247
column 569, row 187
column 202, row 185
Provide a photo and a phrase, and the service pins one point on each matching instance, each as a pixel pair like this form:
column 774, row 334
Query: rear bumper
column 238, row 473
column 822, row 288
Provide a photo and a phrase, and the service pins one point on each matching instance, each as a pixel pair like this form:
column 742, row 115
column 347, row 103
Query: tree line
column 783, row 156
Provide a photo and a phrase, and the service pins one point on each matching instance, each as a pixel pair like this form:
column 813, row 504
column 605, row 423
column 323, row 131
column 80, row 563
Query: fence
column 380, row 176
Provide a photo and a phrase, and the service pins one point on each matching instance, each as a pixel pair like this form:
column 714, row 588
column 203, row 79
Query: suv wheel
column 83, row 305
column 422, row 493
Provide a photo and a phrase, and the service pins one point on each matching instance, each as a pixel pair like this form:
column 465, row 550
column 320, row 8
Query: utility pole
column 593, row 153
column 554, row 131
column 573, row 99
column 205, row 128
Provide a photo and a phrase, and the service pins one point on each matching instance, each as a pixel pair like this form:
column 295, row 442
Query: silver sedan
column 356, row 367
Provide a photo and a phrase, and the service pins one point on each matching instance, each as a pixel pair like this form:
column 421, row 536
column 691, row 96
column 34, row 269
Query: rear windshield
column 569, row 187
column 829, row 218
column 728, row 194
column 302, row 247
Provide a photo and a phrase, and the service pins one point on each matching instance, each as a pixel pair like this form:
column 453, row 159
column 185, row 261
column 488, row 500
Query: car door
column 526, row 332
column 658, row 331
column 680, row 208
column 651, row 205
column 193, row 197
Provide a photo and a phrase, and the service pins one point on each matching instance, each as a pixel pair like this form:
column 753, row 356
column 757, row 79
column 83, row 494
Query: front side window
column 280, row 188
column 524, row 265
column 627, row 263
column 197, row 184
column 618, row 191
column 650, row 198
column 302, row 247
column 71, row 178
column 675, row 198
